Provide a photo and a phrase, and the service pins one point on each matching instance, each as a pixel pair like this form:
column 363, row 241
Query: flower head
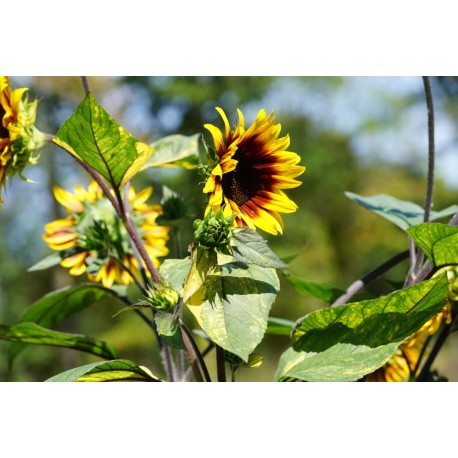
column 249, row 171
column 403, row 364
column 18, row 136
column 92, row 238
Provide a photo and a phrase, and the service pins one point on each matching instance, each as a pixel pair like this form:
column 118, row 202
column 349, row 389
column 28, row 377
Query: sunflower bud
column 19, row 138
column 162, row 297
column 214, row 231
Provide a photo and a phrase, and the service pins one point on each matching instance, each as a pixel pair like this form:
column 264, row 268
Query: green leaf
column 58, row 305
column 400, row 212
column 31, row 333
column 93, row 136
column 50, row 261
column 169, row 329
column 174, row 272
column 203, row 262
column 279, row 326
column 370, row 329
column 327, row 293
column 438, row 241
column 233, row 304
column 340, row 363
column 175, row 151
column 249, row 247
column 106, row 371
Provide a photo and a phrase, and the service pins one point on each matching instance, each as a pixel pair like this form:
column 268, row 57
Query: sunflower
column 249, row 170
column 18, row 136
column 402, row 365
column 92, row 238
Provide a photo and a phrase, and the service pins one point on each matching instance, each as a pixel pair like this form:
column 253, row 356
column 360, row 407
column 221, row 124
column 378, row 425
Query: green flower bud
column 214, row 232
column 162, row 297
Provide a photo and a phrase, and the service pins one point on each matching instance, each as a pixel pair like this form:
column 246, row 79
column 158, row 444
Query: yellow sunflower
column 401, row 366
column 92, row 238
column 249, row 171
column 18, row 136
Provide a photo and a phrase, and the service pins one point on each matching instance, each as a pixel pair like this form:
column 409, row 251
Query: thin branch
column 369, row 277
column 431, row 149
column 194, row 353
column 85, row 81
column 220, row 364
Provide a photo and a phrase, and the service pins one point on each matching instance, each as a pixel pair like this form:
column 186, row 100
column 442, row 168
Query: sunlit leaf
column 249, row 247
column 233, row 304
column 120, row 370
column 92, row 135
column 175, row 151
column 203, row 262
column 400, row 212
column 168, row 328
column 438, row 241
column 31, row 333
column 175, row 271
column 58, row 305
column 365, row 331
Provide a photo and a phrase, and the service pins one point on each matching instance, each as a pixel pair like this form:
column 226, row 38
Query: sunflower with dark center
column 92, row 238
column 249, row 172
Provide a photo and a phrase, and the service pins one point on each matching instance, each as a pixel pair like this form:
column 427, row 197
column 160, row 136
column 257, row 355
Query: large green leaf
column 369, row 329
column 249, row 247
column 438, row 241
column 106, row 371
column 175, row 151
column 203, row 262
column 175, row 271
column 400, row 212
column 233, row 303
column 31, row 333
column 58, row 305
column 93, row 136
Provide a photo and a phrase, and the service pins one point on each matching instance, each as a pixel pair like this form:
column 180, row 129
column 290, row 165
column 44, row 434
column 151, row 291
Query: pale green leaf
column 249, row 247
column 168, row 328
column 400, row 212
column 233, row 304
column 174, row 272
column 175, row 151
column 107, row 371
column 50, row 261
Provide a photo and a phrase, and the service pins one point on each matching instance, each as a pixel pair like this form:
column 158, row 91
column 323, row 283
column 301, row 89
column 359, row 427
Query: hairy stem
column 431, row 149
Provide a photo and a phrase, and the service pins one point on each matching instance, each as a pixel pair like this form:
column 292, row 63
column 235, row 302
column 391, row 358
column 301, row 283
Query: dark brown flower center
column 243, row 183
column 3, row 131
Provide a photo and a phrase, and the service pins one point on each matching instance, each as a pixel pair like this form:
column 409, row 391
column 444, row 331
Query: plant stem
column 194, row 354
column 431, row 148
column 220, row 364
column 369, row 277
column 85, row 81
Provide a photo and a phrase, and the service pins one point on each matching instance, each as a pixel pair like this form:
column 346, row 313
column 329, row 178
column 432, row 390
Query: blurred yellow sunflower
column 92, row 238
column 249, row 171
column 402, row 365
column 18, row 136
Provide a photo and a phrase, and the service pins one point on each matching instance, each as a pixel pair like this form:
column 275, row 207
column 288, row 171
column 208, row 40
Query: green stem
column 220, row 364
